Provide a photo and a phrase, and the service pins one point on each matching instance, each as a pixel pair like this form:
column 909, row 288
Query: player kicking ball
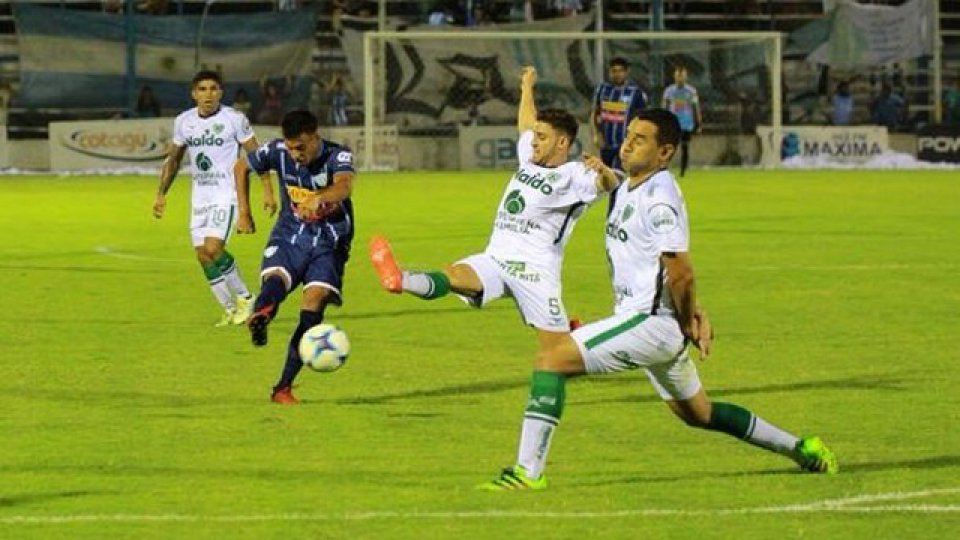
column 656, row 315
column 310, row 242
column 535, row 217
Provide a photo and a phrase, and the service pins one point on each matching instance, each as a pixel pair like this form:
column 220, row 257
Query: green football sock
column 544, row 407
column 426, row 285
column 743, row 424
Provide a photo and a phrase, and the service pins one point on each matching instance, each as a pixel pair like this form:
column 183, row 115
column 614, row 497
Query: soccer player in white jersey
column 212, row 131
column 539, row 207
column 656, row 315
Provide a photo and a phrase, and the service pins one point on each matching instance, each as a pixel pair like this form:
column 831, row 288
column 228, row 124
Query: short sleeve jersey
column 681, row 100
column 539, row 208
column 213, row 147
column 643, row 223
column 297, row 180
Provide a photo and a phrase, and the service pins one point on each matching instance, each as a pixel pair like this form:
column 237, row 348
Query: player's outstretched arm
column 241, row 175
column 607, row 179
column 168, row 172
column 527, row 111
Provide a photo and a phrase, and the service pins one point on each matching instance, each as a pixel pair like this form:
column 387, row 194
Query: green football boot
column 514, row 478
column 814, row 456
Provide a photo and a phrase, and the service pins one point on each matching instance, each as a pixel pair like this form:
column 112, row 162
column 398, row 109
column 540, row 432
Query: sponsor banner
column 864, row 35
column 939, row 143
column 386, row 152
column 826, row 144
column 77, row 58
column 495, row 147
column 109, row 144
column 119, row 144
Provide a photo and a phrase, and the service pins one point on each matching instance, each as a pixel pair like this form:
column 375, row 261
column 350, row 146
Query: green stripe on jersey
column 616, row 330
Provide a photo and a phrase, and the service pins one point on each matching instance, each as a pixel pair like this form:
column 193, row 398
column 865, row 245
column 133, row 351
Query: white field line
column 109, row 252
column 847, row 505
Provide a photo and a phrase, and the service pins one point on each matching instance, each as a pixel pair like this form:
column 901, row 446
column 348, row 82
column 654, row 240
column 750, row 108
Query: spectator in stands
column 241, row 102
column 339, row 98
column 615, row 103
column 147, row 104
column 521, row 11
column 440, row 16
column 567, row 8
column 271, row 106
column 842, row 101
column 154, row 7
column 888, row 108
column 681, row 99
column 288, row 5
column 112, row 6
column 951, row 104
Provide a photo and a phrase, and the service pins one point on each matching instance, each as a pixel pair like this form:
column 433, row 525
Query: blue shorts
column 310, row 260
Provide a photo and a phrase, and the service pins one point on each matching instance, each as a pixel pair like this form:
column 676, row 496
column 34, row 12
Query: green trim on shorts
column 616, row 330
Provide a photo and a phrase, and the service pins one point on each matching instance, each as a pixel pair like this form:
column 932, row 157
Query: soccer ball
column 324, row 347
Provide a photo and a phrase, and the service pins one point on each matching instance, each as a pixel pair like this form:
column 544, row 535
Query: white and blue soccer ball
column 325, row 347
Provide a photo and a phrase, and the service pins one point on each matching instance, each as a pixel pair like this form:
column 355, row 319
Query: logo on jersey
column 207, row 139
column 663, row 218
column 514, row 203
column 270, row 251
column 344, row 157
column 536, row 181
column 203, row 162
column 218, row 128
column 615, row 228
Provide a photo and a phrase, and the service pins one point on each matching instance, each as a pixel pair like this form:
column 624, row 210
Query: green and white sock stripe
column 226, row 262
column 611, row 333
column 212, row 272
column 542, row 417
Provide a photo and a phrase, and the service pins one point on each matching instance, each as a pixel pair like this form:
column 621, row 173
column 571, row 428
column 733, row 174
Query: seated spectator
column 288, row 5
column 888, row 108
column 241, row 102
column 147, row 104
column 567, row 8
column 271, row 107
column 842, row 102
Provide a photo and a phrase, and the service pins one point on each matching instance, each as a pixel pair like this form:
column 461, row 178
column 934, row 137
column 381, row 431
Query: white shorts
column 212, row 219
column 636, row 340
column 535, row 289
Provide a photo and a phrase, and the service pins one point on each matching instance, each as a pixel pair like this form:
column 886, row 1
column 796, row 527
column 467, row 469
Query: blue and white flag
column 74, row 58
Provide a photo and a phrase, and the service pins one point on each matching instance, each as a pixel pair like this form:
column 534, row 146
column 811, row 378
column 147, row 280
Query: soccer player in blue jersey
column 310, row 242
column 614, row 104
column 682, row 100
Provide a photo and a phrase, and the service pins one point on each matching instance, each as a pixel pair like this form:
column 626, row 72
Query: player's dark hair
column 619, row 61
column 207, row 75
column 560, row 120
column 668, row 127
column 296, row 123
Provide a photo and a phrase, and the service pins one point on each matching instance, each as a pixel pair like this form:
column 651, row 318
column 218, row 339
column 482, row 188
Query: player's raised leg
column 273, row 289
column 429, row 285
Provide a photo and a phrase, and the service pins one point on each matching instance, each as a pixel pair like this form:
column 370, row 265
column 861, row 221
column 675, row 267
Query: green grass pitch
column 124, row 414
